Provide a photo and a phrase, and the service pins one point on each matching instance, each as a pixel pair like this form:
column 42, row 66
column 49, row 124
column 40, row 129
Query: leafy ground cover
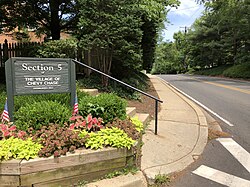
column 45, row 128
column 135, row 79
column 237, row 71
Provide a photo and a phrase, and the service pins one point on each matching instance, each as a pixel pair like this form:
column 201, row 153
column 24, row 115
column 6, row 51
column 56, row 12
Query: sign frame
column 11, row 79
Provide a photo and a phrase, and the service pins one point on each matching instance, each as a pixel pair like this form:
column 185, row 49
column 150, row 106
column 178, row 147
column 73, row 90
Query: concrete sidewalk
column 182, row 136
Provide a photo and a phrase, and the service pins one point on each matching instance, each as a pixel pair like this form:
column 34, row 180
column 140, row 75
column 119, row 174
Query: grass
column 233, row 71
column 161, row 180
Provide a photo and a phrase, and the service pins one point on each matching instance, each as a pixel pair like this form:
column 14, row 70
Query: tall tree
column 110, row 29
column 154, row 14
column 221, row 35
column 45, row 16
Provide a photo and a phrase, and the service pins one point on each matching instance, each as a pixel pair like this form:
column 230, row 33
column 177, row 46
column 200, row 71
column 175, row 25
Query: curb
column 136, row 180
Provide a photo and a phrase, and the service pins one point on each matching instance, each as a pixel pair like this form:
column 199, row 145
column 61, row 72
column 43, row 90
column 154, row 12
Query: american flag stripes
column 5, row 115
column 75, row 110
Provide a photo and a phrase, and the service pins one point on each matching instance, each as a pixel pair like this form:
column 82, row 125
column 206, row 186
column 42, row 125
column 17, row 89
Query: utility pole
column 185, row 29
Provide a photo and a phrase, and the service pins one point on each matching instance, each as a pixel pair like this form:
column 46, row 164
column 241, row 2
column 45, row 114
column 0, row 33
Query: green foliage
column 167, row 59
column 58, row 49
column 3, row 96
column 161, row 179
column 49, row 17
column 18, row 149
column 24, row 100
column 62, row 98
column 154, row 13
column 164, row 68
column 57, row 140
column 219, row 37
column 113, row 137
column 82, row 183
column 238, row 71
column 113, row 33
column 149, row 41
column 105, row 106
column 41, row 113
column 138, row 124
column 134, row 78
column 123, row 171
column 213, row 71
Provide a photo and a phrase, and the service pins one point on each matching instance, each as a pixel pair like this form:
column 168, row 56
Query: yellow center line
column 228, row 87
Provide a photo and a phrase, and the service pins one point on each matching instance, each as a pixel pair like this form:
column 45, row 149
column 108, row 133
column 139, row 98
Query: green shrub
column 233, row 71
column 18, row 149
column 164, row 67
column 214, row 71
column 238, row 71
column 113, row 137
column 106, row 106
column 62, row 98
column 41, row 113
column 3, row 96
column 24, row 100
column 58, row 49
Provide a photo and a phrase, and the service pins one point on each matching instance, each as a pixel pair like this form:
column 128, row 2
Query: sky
column 185, row 15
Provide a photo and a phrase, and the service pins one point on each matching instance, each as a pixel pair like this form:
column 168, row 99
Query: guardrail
column 129, row 86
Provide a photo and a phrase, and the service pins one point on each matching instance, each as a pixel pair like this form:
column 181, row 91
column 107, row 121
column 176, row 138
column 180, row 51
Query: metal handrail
column 127, row 85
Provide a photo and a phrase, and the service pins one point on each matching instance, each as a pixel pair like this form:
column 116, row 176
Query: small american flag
column 5, row 115
column 75, row 110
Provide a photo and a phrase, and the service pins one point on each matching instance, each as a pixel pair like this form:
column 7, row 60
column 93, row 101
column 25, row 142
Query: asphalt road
column 229, row 99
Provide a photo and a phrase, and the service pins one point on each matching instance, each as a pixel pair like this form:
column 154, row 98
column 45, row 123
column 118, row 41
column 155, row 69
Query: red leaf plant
column 8, row 130
column 89, row 124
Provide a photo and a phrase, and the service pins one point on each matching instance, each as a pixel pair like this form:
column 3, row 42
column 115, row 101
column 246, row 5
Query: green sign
column 38, row 76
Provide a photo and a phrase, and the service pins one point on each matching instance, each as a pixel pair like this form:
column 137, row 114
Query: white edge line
column 200, row 104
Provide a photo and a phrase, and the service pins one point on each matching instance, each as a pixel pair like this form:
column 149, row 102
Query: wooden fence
column 8, row 50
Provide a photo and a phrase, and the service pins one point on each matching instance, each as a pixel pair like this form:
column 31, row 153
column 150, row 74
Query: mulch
column 146, row 104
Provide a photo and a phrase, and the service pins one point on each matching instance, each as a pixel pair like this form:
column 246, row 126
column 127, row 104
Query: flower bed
column 47, row 151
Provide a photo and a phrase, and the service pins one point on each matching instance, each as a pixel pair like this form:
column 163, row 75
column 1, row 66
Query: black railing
column 129, row 86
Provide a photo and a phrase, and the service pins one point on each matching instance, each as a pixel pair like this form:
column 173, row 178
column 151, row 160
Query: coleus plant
column 89, row 124
column 8, row 130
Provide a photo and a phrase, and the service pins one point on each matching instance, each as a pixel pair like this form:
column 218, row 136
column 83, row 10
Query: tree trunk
column 105, row 61
column 55, row 21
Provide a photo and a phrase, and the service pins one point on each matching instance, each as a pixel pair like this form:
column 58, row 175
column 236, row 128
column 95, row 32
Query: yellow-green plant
column 113, row 137
column 18, row 148
column 138, row 124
